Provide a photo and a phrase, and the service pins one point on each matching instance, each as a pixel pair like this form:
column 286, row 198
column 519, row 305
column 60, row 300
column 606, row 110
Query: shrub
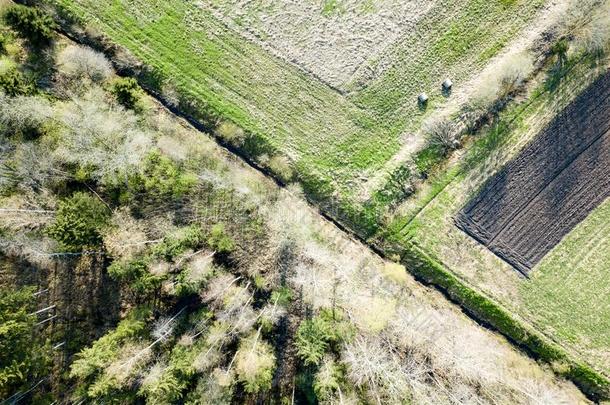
column 596, row 37
column 125, row 236
column 398, row 186
column 396, row 273
column 159, row 179
column 219, row 240
column 328, row 379
column 170, row 94
column 211, row 389
column 13, row 83
column 199, row 270
column 560, row 50
column 231, row 133
column 127, row 92
column 555, row 75
column 513, row 72
column 95, row 358
column 281, row 297
column 31, row 23
column 24, row 115
column 78, row 222
column 497, row 85
column 21, row 361
column 106, row 141
column 482, row 103
column 78, row 62
column 313, row 339
column 172, row 380
column 442, row 133
column 255, row 364
column 178, row 242
column 280, row 166
column 136, row 274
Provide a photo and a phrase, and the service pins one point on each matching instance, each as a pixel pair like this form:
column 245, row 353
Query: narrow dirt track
column 551, row 186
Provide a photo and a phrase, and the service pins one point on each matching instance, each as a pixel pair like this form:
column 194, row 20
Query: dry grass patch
column 330, row 39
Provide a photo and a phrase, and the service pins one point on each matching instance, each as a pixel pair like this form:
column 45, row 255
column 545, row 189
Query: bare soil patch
column 550, row 187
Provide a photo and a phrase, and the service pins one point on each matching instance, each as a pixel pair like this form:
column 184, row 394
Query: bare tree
column 79, row 62
column 513, row 72
column 372, row 367
column 442, row 133
column 101, row 136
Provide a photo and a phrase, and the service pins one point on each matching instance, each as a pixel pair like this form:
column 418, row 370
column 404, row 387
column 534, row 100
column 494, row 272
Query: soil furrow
column 537, row 198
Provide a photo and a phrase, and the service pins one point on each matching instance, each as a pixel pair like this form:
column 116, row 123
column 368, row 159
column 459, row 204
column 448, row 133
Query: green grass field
column 337, row 140
column 568, row 295
column 566, row 298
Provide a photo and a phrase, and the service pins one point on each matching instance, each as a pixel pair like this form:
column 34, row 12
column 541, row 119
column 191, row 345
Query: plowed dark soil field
column 552, row 185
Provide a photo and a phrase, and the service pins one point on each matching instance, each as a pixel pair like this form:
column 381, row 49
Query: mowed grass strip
column 306, row 120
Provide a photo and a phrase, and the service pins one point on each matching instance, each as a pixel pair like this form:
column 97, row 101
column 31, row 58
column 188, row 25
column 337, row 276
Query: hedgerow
column 484, row 309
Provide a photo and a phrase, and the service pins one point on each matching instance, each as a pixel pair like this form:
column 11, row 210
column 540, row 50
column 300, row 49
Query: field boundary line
column 486, row 311
column 272, row 52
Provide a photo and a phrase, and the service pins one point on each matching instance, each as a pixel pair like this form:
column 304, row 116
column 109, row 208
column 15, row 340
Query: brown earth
column 551, row 186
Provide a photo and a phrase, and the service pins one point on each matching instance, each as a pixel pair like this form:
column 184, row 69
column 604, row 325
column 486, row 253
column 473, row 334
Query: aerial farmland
column 336, row 103
column 305, row 202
